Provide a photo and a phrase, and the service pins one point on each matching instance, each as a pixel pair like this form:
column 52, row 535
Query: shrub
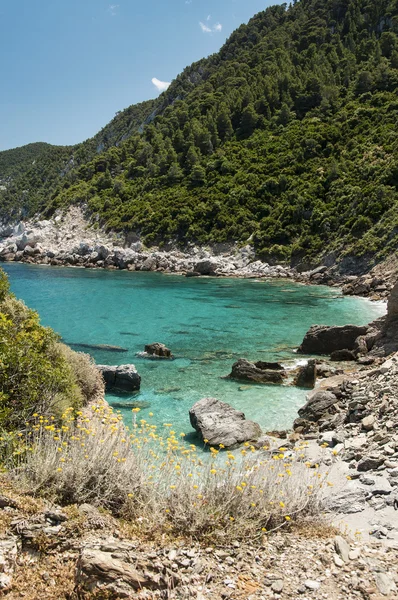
column 154, row 480
column 37, row 373
column 4, row 285
column 85, row 373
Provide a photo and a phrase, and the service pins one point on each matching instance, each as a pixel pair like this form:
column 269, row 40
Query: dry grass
column 49, row 578
column 159, row 483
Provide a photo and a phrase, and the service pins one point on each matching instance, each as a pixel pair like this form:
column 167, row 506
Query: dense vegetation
column 286, row 137
column 37, row 373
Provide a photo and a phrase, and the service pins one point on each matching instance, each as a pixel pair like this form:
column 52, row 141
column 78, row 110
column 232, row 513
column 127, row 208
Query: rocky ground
column 50, row 553
column 68, row 240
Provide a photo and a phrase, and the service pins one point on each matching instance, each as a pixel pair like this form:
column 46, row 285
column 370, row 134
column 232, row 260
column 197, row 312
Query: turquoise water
column 208, row 323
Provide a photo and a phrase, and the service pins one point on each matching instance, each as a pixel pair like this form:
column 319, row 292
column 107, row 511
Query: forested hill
column 286, row 137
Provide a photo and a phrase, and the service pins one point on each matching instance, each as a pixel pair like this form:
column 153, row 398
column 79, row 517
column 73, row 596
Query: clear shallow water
column 208, row 324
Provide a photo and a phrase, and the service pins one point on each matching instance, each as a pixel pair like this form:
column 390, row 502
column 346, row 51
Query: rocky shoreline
column 69, row 240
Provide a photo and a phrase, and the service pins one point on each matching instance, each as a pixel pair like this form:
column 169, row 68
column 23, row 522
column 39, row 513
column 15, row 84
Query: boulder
column 149, row 264
column 317, row 405
column 259, row 372
column 111, row 574
column 123, row 378
column 392, row 304
column 306, row 375
column 322, row 339
column 158, row 350
column 219, row 423
column 342, row 355
column 206, row 267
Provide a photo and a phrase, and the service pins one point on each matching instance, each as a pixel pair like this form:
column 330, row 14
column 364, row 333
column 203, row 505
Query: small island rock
column 159, row 350
column 219, row 423
column 259, row 372
column 123, row 378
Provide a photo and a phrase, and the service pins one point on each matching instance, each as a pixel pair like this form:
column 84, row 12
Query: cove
column 207, row 322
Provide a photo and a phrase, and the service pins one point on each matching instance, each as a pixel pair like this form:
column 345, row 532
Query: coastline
column 69, row 240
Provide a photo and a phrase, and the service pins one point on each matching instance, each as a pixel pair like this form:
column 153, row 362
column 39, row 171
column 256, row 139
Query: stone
column 277, row 586
column 306, row 375
column 342, row 548
column 350, row 500
column 258, row 372
column 317, row 405
column 5, row 581
column 158, row 350
column 368, row 422
column 385, row 583
column 123, row 377
column 149, row 264
column 206, row 267
column 312, row 585
column 219, row 423
column 338, row 561
column 99, row 570
column 322, row 339
column 354, row 554
column 342, row 355
column 368, row 463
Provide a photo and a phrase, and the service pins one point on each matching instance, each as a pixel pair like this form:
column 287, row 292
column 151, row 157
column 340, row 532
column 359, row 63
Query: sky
column 67, row 66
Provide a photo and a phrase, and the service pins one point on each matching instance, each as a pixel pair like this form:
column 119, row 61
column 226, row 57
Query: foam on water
column 208, row 323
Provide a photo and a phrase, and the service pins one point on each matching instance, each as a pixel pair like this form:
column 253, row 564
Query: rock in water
column 159, row 350
column 219, row 423
column 322, row 339
column 105, row 347
column 123, row 378
column 259, row 372
column 306, row 375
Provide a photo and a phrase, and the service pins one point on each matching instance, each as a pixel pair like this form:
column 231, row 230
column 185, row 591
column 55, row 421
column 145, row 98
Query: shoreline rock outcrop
column 122, row 378
column 219, row 423
column 324, row 339
column 259, row 372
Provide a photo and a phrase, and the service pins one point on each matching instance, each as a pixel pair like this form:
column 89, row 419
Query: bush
column 37, row 373
column 162, row 484
column 85, row 373
column 4, row 285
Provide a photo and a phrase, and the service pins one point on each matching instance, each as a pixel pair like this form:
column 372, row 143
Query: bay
column 207, row 322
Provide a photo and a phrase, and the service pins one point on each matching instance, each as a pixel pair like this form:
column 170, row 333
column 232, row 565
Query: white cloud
column 204, row 27
column 162, row 86
column 113, row 9
column 210, row 28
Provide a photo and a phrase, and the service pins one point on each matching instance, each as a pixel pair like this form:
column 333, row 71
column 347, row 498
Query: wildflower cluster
column 153, row 476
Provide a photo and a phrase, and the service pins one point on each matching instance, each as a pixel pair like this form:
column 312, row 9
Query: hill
column 286, row 137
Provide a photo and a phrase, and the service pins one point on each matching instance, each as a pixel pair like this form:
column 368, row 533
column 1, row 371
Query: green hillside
column 286, row 137
column 32, row 173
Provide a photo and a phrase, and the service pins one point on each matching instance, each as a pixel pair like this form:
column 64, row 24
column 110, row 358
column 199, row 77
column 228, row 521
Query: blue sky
column 67, row 66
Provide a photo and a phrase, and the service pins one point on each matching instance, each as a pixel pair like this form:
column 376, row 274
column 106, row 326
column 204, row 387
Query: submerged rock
column 158, row 350
column 123, row 378
column 322, row 339
column 259, row 372
column 219, row 423
column 105, row 347
column 306, row 375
